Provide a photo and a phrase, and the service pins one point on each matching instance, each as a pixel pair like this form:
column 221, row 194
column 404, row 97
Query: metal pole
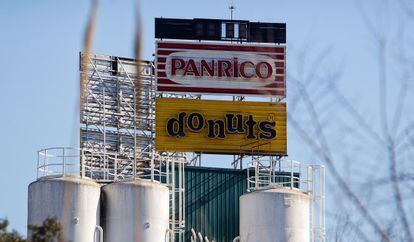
column 64, row 162
column 37, row 165
column 116, row 167
column 241, row 162
column 173, row 196
column 256, row 174
column 179, row 191
column 152, row 167
column 322, row 205
column 291, row 174
column 45, row 170
column 180, row 196
column 313, row 204
column 82, row 164
column 248, row 178
column 183, row 177
column 232, row 8
column 135, row 130
column 307, row 180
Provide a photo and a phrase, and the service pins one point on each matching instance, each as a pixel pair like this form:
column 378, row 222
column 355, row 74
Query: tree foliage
column 49, row 231
column 6, row 236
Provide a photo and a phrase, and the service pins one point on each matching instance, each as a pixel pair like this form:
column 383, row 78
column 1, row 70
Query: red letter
column 268, row 68
column 236, row 67
column 205, row 66
column 191, row 68
column 226, row 69
column 174, row 66
column 243, row 68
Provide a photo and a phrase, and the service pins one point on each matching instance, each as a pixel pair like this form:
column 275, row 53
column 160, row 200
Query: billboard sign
column 215, row 68
column 220, row 127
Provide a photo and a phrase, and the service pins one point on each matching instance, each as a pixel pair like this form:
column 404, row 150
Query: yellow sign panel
column 232, row 127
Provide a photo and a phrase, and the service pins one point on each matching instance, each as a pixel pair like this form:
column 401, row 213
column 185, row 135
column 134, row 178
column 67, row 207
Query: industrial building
column 146, row 125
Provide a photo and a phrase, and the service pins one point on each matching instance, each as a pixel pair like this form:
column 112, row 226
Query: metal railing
column 59, row 161
column 63, row 161
column 272, row 172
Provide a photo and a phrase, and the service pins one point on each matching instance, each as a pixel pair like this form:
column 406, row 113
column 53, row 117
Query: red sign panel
column 237, row 69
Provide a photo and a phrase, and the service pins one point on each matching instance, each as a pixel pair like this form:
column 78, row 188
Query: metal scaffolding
column 117, row 134
column 115, row 119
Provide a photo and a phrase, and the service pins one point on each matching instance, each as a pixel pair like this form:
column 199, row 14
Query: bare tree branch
column 409, row 10
column 397, row 191
column 87, row 47
column 338, row 178
column 137, row 53
column 356, row 115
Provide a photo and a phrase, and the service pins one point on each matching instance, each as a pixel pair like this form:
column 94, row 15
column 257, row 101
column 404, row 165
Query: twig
column 342, row 184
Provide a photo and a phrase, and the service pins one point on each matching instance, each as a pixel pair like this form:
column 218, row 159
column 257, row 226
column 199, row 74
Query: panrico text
column 233, row 68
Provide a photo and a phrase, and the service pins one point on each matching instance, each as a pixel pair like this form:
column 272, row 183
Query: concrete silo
column 136, row 210
column 274, row 215
column 73, row 201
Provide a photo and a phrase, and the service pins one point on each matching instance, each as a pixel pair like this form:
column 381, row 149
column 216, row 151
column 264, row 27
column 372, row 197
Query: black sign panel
column 220, row 30
column 267, row 33
column 207, row 29
column 168, row 28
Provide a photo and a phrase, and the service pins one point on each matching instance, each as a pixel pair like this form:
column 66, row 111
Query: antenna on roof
column 232, row 8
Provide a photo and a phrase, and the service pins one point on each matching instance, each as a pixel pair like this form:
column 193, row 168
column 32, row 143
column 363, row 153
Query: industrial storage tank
column 274, row 215
column 73, row 201
column 136, row 210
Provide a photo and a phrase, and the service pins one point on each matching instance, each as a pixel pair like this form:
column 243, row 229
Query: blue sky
column 40, row 42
